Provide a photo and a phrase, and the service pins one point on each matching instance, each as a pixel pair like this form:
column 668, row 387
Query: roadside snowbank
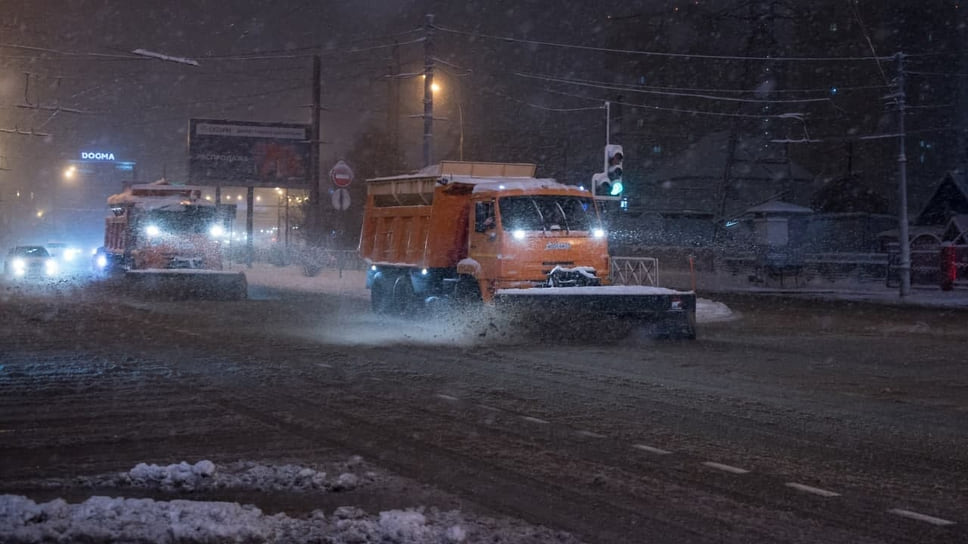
column 106, row 519
column 205, row 475
column 710, row 311
column 122, row 520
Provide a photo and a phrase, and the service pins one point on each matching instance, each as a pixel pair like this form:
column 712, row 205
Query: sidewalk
column 866, row 291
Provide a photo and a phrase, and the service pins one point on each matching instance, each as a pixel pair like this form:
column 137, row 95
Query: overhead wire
column 540, row 107
column 676, row 94
column 630, row 86
column 792, row 115
column 650, row 53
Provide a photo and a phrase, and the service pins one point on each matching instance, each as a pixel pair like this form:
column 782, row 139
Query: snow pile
column 205, row 475
column 105, row 519
column 180, row 476
column 709, row 311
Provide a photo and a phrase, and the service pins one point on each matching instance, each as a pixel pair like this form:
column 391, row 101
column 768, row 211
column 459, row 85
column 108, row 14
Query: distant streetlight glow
column 70, row 172
column 435, row 87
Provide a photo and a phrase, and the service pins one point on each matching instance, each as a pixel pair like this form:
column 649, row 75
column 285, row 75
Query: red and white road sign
column 341, row 174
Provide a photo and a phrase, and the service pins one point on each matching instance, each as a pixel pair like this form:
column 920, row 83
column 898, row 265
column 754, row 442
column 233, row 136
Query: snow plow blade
column 185, row 284
column 667, row 312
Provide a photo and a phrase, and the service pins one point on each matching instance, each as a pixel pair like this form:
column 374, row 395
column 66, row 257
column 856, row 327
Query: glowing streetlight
column 434, row 86
column 70, row 172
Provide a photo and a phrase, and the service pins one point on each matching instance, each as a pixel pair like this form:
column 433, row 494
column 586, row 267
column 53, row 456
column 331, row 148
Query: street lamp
column 70, row 172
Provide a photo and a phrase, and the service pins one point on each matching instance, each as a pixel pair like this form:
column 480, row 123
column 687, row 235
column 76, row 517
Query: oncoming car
column 64, row 252
column 29, row 262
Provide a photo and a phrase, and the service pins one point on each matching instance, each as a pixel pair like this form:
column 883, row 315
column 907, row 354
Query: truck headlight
column 517, row 234
column 152, row 231
column 19, row 267
column 101, row 261
column 217, row 231
column 51, row 267
column 598, row 233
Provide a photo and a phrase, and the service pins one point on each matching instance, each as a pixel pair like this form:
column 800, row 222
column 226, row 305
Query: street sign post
column 341, row 199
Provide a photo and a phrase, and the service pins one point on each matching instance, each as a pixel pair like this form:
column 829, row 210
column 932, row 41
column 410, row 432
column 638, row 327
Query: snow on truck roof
column 510, row 184
column 483, row 176
column 159, row 194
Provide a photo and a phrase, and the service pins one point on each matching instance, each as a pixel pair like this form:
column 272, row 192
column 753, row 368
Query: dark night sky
column 139, row 109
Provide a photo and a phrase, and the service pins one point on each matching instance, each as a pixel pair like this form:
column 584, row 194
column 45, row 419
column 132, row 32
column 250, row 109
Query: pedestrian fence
column 634, row 271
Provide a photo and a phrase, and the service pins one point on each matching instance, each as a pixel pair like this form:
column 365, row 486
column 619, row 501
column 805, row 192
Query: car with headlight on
column 70, row 258
column 30, row 262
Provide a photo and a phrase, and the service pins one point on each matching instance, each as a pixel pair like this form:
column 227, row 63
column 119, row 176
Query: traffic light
column 608, row 184
column 613, row 161
column 602, row 185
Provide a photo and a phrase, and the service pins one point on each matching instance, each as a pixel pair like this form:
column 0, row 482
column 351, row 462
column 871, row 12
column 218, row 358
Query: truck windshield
column 193, row 220
column 547, row 212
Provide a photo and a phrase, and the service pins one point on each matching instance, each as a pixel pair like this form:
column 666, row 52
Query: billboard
column 249, row 154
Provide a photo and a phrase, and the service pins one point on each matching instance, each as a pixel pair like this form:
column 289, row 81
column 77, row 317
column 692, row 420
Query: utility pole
column 904, row 267
column 315, row 206
column 393, row 108
column 428, row 139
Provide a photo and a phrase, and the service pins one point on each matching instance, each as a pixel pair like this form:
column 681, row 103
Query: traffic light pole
column 608, row 130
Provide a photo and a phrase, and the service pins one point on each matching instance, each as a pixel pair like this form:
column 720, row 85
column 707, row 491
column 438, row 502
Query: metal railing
column 634, row 271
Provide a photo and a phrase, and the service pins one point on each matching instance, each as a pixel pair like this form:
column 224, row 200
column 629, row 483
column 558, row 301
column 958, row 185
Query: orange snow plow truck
column 463, row 233
column 167, row 240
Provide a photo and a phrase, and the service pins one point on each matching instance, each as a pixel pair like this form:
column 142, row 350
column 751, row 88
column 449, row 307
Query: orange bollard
column 949, row 269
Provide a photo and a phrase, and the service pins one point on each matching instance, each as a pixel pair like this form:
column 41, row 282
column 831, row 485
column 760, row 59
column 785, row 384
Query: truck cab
column 534, row 235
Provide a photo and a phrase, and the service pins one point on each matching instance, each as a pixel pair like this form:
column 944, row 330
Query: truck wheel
column 404, row 299
column 467, row 292
column 380, row 296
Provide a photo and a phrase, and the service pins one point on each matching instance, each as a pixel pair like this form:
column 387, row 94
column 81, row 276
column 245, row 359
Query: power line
column 792, row 115
column 654, row 53
column 70, row 53
column 385, row 46
column 633, row 86
column 942, row 74
column 18, row 131
column 869, row 137
column 676, row 94
column 539, row 107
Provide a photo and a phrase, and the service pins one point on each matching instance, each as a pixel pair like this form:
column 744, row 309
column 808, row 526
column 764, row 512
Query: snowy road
column 799, row 422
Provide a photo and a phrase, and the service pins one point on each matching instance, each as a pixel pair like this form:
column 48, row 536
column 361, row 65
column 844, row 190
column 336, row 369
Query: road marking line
column 324, row 365
column 726, row 468
column 921, row 517
column 534, row 420
column 447, row 397
column 814, row 490
column 590, row 434
column 650, row 449
column 486, row 407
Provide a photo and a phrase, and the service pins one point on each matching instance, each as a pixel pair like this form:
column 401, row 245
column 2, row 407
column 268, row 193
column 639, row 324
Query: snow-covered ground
column 116, row 519
column 120, row 519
